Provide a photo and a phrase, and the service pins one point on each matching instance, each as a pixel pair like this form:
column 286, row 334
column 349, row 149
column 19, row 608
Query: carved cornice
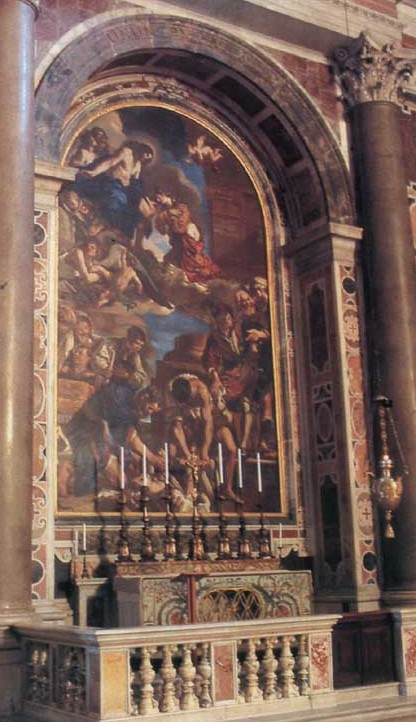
column 369, row 71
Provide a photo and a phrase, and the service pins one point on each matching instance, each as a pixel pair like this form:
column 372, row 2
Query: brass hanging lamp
column 386, row 489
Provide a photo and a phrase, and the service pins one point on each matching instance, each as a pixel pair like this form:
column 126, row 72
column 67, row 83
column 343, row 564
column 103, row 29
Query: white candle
column 240, row 469
column 280, row 535
column 220, row 464
column 259, row 481
column 84, row 537
column 144, row 465
column 121, row 467
column 166, row 464
column 76, row 542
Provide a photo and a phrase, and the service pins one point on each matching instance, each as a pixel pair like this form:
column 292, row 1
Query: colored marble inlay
column 358, row 431
column 320, row 663
column 40, row 491
column 224, row 686
column 410, row 652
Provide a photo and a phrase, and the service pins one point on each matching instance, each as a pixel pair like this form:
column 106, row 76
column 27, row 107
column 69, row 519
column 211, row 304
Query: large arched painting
column 165, row 348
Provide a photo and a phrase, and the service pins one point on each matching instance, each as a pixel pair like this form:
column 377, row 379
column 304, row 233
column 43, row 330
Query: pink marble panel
column 410, row 652
column 223, row 657
column 320, row 657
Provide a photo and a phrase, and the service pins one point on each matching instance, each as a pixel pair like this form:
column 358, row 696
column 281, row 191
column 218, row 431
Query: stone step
column 377, row 708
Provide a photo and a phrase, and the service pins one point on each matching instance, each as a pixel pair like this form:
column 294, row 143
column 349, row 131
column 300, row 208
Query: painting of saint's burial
column 165, row 349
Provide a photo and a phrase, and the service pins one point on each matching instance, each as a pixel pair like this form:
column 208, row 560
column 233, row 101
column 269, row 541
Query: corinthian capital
column 369, row 71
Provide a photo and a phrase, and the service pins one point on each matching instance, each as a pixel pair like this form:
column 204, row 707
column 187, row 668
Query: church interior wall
column 325, row 482
column 211, row 351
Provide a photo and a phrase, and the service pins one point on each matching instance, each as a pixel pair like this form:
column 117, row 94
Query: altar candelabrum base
column 84, row 573
column 196, row 542
column 224, row 547
column 243, row 543
column 123, row 534
column 170, row 547
column 265, row 551
column 147, row 551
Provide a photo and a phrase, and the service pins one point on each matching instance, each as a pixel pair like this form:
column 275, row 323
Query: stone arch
column 292, row 114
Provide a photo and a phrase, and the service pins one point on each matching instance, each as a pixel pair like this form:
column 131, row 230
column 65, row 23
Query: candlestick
column 85, row 573
column 170, row 546
column 123, row 534
column 147, row 551
column 224, row 548
column 264, row 539
column 76, row 542
column 144, row 465
column 280, row 536
column 166, row 464
column 244, row 547
column 259, row 480
column 220, row 464
column 121, row 467
column 240, row 469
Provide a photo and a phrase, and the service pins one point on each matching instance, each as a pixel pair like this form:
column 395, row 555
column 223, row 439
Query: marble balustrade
column 168, row 670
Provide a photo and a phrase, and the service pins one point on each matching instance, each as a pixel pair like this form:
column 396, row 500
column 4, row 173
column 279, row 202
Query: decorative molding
column 101, row 44
column 34, row 4
column 372, row 72
column 330, row 16
column 406, row 13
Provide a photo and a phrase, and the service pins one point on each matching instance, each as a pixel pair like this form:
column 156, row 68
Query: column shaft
column 391, row 287
column 16, row 304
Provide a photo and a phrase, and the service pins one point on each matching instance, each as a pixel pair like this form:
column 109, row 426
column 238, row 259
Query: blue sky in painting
column 163, row 330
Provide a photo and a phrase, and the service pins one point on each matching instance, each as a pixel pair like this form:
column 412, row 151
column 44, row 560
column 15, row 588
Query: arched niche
column 254, row 93
column 293, row 157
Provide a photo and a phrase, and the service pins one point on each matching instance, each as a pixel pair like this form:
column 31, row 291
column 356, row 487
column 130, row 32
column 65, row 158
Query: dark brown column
column 16, row 304
column 372, row 79
column 391, row 274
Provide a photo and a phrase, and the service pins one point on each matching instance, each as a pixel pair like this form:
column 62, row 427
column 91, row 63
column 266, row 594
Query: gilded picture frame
column 167, row 361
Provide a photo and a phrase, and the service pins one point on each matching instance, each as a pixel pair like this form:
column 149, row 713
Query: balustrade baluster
column 268, row 667
column 286, row 666
column 34, row 685
column 44, row 676
column 250, row 670
column 64, row 693
column 302, row 665
column 169, row 701
column 204, row 670
column 187, row 673
column 147, row 703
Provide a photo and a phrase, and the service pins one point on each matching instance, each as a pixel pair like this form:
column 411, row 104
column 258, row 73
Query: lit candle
column 84, row 538
column 121, row 467
column 280, row 535
column 76, row 542
column 166, row 464
column 259, row 482
column 144, row 465
column 240, row 469
column 220, row 464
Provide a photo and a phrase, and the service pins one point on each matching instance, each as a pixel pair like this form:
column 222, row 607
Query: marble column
column 17, row 18
column 372, row 79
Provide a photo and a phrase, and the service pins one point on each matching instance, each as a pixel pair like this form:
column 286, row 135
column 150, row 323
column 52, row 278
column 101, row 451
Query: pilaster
column 326, row 261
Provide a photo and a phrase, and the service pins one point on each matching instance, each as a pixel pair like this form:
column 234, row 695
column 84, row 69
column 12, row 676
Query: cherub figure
column 204, row 154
